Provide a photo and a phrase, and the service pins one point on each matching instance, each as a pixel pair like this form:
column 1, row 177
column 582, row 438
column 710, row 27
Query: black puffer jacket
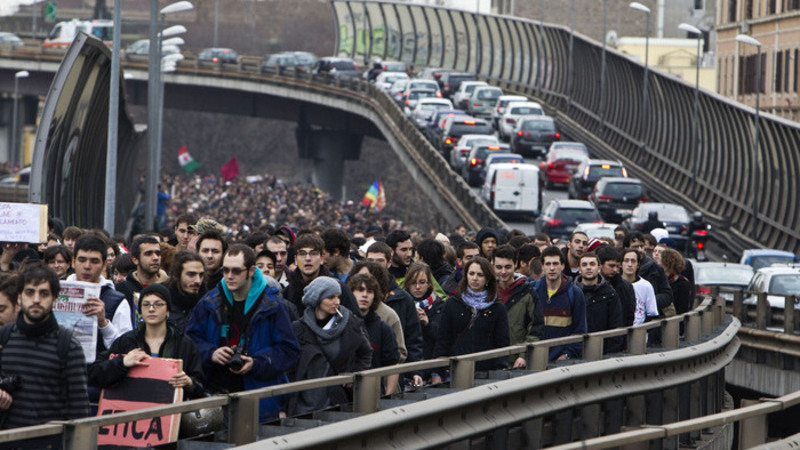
column 403, row 304
column 627, row 298
column 603, row 311
column 488, row 331
column 655, row 274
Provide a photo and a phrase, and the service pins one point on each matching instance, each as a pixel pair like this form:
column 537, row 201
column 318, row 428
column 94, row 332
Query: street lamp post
column 695, row 125
column 153, row 96
column 13, row 152
column 745, row 39
column 571, row 67
column 603, row 71
column 110, row 194
column 640, row 7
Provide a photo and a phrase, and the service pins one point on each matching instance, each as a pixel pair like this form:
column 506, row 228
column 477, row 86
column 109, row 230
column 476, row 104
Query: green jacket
column 525, row 317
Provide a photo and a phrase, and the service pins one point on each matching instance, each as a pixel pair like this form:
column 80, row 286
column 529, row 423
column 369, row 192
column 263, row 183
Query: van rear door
column 516, row 188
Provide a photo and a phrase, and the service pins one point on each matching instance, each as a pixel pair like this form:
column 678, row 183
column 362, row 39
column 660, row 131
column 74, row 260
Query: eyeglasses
column 307, row 254
column 156, row 305
column 235, row 271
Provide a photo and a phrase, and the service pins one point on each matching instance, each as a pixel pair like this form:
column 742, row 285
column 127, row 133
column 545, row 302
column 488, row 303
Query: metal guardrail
column 604, row 109
column 601, row 379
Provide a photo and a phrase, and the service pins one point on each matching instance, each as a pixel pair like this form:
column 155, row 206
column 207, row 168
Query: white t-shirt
column 646, row 305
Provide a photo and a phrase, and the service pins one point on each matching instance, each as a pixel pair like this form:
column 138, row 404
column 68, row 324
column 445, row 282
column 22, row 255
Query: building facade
column 776, row 25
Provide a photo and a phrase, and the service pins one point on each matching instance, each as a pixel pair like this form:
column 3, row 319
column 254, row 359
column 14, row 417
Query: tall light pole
column 110, row 194
column 640, row 7
column 603, row 71
column 571, row 67
column 216, row 23
column 13, row 152
column 153, row 96
column 695, row 125
column 745, row 39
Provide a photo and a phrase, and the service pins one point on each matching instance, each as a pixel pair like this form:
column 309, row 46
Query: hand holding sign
column 135, row 358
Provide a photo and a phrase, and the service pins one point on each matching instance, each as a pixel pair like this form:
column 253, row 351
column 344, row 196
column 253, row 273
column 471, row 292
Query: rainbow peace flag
column 375, row 197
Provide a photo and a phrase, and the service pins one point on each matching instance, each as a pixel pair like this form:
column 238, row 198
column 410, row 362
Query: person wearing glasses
column 153, row 337
column 308, row 257
column 243, row 332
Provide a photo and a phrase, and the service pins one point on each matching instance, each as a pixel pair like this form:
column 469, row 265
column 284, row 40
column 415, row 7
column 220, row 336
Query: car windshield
column 526, row 111
column 344, row 65
column 428, row 107
column 767, row 260
column 394, row 67
column 723, row 275
column 505, row 159
column 413, row 95
column 459, row 129
column 577, row 215
column 468, row 89
column 570, row 155
column 538, row 125
column 476, row 141
column 489, row 94
column 393, row 78
column 623, row 190
column 606, row 170
column 481, row 152
column 423, row 85
column 671, row 213
column 786, row 284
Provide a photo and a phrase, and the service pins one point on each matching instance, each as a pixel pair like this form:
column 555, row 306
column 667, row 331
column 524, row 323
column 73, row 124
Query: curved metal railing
column 750, row 208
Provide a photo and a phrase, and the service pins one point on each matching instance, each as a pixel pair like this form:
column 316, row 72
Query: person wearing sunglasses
column 153, row 337
column 243, row 332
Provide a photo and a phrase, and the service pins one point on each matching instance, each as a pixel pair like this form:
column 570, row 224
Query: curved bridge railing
column 605, row 109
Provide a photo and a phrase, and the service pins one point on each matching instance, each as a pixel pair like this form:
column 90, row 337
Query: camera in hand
column 236, row 363
column 11, row 383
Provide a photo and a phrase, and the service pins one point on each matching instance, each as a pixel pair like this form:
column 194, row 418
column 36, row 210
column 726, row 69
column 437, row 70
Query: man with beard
column 211, row 246
column 575, row 249
column 29, row 353
column 309, row 247
column 146, row 254
column 279, row 247
column 603, row 309
column 402, row 251
column 185, row 286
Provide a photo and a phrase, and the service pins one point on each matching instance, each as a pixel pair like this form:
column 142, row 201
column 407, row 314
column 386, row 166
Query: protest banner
column 23, row 222
column 69, row 314
column 143, row 387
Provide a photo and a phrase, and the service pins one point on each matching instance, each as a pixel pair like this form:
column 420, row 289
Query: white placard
column 23, row 222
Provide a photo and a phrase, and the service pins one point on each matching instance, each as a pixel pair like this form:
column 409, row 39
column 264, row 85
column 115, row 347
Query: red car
column 560, row 165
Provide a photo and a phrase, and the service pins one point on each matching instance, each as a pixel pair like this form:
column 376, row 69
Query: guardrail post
column 366, row 393
column 637, row 341
column 242, row 419
column 707, row 321
column 789, row 314
column 532, row 433
column 79, row 436
column 670, row 414
column 592, row 348
column 756, row 427
column 537, row 356
column 670, row 333
column 762, row 311
column 693, row 327
column 591, row 417
column 462, row 372
column 719, row 311
column 738, row 306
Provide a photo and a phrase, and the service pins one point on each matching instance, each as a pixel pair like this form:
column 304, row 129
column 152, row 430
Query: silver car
column 423, row 112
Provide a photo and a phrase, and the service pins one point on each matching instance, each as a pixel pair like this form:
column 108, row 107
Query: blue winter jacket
column 564, row 315
column 269, row 337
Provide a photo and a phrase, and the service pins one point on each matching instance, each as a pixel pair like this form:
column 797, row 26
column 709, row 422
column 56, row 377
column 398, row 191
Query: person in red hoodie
column 525, row 317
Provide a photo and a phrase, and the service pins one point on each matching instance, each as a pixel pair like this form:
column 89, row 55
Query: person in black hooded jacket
column 473, row 320
column 154, row 337
column 185, row 286
column 603, row 309
column 331, row 342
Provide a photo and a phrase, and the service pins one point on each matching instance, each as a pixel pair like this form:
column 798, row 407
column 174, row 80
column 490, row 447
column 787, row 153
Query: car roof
column 715, row 264
column 607, row 180
column 512, row 166
column 595, row 226
column 600, row 162
column 767, row 252
column 582, row 204
column 778, row 269
column 504, row 155
column 537, row 118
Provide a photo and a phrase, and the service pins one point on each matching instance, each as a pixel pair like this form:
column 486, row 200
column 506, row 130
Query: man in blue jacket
column 563, row 305
column 243, row 332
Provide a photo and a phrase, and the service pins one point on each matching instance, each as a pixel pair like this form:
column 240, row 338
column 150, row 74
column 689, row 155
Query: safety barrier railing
column 758, row 313
column 749, row 208
column 243, row 406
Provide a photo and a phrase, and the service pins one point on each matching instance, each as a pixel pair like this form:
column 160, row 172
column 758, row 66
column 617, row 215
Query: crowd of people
column 247, row 304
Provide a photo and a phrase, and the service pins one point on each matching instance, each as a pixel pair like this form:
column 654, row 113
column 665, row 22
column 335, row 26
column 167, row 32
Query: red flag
column 230, row 170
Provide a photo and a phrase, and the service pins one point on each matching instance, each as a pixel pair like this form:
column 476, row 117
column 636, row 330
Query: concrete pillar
column 328, row 149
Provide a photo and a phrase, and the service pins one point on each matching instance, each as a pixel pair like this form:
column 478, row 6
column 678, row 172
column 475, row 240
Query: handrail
column 81, row 432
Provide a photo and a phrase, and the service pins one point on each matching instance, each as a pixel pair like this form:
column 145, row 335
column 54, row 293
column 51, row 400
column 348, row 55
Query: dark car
column 674, row 218
column 533, row 135
column 450, row 81
column 587, row 174
column 458, row 126
column 340, row 67
column 477, row 160
column 560, row 217
column 616, row 197
column 219, row 56
column 379, row 67
column 561, row 164
column 436, row 125
column 280, row 61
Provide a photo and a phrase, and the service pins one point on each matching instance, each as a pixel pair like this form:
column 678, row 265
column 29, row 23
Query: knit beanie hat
column 159, row 290
column 485, row 233
column 321, row 288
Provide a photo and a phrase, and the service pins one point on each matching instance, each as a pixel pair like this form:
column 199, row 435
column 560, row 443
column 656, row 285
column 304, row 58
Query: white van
column 513, row 188
column 64, row 33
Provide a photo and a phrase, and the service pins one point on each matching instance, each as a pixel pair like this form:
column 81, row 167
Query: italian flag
column 186, row 160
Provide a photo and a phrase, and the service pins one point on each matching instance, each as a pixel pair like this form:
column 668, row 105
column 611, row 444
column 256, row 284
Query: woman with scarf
column 473, row 320
column 419, row 283
column 331, row 342
column 153, row 337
